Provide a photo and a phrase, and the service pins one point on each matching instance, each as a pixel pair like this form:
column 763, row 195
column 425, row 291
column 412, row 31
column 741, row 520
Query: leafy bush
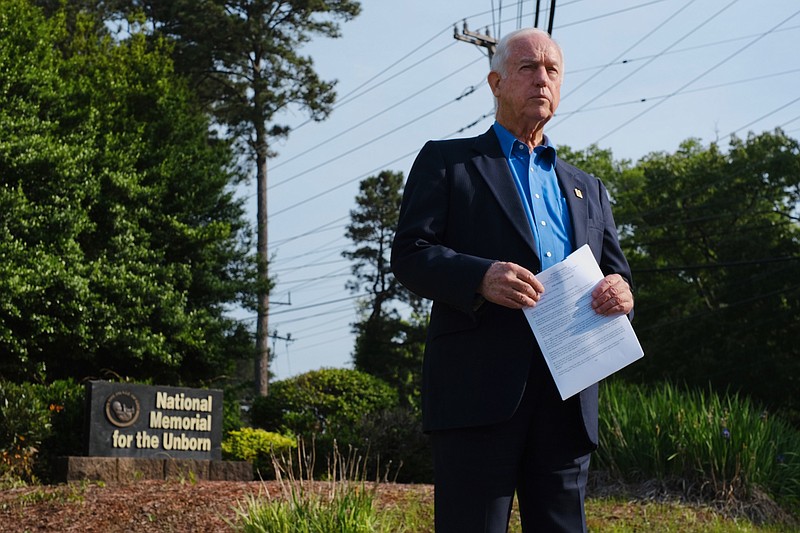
column 323, row 407
column 322, row 402
column 231, row 415
column 726, row 444
column 256, row 446
column 24, row 424
column 39, row 423
column 66, row 403
column 396, row 445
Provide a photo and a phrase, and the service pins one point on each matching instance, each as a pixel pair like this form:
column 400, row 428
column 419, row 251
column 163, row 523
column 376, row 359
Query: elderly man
column 480, row 218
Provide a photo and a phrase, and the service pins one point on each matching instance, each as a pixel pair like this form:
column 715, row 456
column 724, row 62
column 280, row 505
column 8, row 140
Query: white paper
column 579, row 346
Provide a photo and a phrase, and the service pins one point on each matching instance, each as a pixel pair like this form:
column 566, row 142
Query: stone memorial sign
column 129, row 420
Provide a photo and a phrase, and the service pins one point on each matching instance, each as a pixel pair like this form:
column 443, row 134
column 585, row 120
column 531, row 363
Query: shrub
column 39, row 423
column 231, row 415
column 322, row 402
column 324, row 406
column 24, row 424
column 66, row 403
column 256, row 446
column 397, row 446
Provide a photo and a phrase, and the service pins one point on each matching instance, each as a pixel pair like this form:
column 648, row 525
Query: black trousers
column 541, row 453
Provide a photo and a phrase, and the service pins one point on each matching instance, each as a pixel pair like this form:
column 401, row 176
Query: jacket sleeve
column 421, row 258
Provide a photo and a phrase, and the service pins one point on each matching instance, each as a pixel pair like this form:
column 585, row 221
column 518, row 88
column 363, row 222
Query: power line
column 631, row 47
column 468, row 91
column 670, row 52
column 325, row 227
column 674, row 43
column 349, row 97
column 316, row 305
column 376, row 115
column 316, row 251
column 700, row 89
column 762, row 117
column 706, row 72
column 609, row 14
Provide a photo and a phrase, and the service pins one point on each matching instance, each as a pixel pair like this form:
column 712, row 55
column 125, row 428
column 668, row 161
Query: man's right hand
column 510, row 285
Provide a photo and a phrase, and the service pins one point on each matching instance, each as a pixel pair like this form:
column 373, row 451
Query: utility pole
column 478, row 39
column 485, row 40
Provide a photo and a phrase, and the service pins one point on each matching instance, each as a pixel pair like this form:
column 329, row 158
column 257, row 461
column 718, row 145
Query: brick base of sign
column 124, row 469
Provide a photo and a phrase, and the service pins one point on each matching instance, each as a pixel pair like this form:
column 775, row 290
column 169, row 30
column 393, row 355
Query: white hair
column 500, row 56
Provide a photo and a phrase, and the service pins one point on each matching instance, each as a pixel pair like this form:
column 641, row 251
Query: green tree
column 120, row 242
column 714, row 243
column 244, row 59
column 387, row 345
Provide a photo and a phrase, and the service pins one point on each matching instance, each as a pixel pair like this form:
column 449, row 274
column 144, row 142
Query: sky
column 641, row 76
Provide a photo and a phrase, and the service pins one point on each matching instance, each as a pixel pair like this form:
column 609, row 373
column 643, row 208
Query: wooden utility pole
column 478, row 39
column 485, row 40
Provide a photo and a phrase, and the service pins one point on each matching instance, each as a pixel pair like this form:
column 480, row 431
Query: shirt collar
column 507, row 142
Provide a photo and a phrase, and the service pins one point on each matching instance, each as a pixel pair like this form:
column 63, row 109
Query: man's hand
column 510, row 285
column 612, row 296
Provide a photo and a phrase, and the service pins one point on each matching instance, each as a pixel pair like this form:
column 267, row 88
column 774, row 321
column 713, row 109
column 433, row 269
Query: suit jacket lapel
column 573, row 190
column 493, row 167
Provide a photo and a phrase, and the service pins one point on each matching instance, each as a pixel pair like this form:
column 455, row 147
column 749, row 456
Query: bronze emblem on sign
column 122, row 409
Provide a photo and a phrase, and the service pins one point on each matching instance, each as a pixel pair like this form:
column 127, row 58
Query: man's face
column 530, row 89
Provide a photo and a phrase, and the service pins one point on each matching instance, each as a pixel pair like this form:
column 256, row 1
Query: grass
column 346, row 504
column 605, row 515
column 723, row 448
column 613, row 515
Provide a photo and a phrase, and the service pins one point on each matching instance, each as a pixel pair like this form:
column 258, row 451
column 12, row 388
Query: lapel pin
column 578, row 193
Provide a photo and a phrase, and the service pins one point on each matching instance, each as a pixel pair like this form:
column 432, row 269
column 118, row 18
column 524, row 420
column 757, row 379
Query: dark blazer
column 460, row 213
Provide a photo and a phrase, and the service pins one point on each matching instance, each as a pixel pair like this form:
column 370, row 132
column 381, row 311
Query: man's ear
column 494, row 81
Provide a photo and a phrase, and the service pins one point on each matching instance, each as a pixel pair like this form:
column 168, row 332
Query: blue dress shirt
column 544, row 204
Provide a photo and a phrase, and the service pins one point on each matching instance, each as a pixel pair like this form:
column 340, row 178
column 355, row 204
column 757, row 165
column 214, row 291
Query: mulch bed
column 145, row 506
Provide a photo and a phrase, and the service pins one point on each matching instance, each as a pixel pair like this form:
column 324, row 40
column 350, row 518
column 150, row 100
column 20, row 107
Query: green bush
column 397, row 447
column 323, row 407
column 24, row 424
column 39, row 423
column 231, row 415
column 726, row 444
column 322, row 402
column 66, row 403
column 256, row 446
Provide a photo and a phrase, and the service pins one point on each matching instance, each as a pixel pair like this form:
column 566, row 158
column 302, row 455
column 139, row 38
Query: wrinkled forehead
column 535, row 48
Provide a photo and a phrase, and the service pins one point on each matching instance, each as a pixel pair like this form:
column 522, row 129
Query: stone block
column 91, row 469
column 230, row 471
column 136, row 468
column 186, row 469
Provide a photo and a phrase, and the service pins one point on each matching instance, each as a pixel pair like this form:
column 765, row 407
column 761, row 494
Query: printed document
column 579, row 346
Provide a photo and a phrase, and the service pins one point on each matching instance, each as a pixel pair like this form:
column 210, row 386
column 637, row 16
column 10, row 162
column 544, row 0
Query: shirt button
column 536, row 196
column 544, row 223
column 549, row 254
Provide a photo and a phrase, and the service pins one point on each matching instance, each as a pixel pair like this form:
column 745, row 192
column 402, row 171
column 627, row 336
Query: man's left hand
column 612, row 296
